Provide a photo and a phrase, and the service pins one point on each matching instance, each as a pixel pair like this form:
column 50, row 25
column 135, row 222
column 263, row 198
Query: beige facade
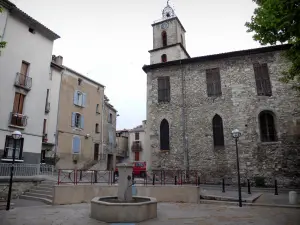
column 109, row 134
column 79, row 121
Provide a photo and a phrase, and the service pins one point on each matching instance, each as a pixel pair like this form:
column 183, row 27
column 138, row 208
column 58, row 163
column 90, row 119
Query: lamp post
column 16, row 136
column 236, row 134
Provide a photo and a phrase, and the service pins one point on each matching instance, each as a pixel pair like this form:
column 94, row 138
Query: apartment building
column 79, row 133
column 137, row 144
column 24, row 78
column 109, row 134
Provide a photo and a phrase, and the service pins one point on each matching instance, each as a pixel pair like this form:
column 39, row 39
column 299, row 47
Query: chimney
column 59, row 60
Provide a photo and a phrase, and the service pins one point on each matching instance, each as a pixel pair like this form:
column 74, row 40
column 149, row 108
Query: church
column 193, row 104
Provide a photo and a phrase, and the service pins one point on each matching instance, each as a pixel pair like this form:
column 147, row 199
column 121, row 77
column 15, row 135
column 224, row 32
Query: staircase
column 42, row 192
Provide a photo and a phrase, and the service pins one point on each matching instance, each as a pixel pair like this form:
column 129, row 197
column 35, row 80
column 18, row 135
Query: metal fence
column 27, row 169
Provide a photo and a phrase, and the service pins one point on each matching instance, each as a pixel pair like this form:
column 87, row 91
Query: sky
column 108, row 40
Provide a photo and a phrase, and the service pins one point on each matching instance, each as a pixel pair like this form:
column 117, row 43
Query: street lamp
column 16, row 136
column 236, row 134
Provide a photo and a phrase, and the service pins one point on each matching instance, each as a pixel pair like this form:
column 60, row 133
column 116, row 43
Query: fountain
column 124, row 207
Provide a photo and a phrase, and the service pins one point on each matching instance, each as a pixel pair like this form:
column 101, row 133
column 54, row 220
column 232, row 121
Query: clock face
column 168, row 12
column 164, row 25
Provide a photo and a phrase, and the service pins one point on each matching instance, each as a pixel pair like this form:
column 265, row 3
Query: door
column 23, row 74
column 17, row 114
column 137, row 156
column 96, row 151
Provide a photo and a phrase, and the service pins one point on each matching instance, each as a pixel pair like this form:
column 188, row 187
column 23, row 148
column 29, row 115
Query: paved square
column 168, row 214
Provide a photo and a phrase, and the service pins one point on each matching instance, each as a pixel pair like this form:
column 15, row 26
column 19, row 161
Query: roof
column 137, row 129
column 246, row 52
column 56, row 66
column 169, row 46
column 15, row 11
column 82, row 76
column 110, row 106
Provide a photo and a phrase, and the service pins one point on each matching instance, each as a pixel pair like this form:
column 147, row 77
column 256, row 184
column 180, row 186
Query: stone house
column 24, row 79
column 193, row 104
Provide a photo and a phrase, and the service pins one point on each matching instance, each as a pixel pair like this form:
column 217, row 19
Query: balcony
column 47, row 107
column 136, row 146
column 23, row 81
column 17, row 120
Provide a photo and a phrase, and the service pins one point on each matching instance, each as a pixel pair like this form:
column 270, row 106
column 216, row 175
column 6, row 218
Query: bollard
column 276, row 188
column 293, row 200
column 249, row 191
column 198, row 180
column 175, row 180
column 80, row 175
column 153, row 180
column 223, row 185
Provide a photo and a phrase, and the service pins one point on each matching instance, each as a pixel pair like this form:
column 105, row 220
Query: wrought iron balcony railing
column 17, row 119
column 23, row 81
column 136, row 146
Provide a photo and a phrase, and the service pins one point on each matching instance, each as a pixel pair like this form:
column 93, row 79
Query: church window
column 218, row 133
column 164, row 135
column 213, row 82
column 163, row 89
column 164, row 58
column 164, row 38
column 267, row 127
column 262, row 78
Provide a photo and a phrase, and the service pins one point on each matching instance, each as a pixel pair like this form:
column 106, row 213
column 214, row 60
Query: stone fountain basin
column 109, row 209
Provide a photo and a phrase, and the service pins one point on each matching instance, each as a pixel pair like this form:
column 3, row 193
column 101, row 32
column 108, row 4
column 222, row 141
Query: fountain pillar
column 125, row 181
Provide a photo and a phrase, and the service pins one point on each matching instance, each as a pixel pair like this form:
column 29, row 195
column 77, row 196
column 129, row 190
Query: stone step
column 42, row 189
column 39, row 195
column 41, row 192
column 45, row 186
column 45, row 200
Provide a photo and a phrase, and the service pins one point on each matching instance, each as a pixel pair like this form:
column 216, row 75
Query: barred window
column 213, row 82
column 267, row 127
column 163, row 89
column 262, row 79
column 218, row 133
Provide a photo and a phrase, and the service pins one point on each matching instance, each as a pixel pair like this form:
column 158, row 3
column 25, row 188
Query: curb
column 248, row 204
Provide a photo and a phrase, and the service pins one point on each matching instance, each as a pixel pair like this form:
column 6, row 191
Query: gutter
column 102, row 123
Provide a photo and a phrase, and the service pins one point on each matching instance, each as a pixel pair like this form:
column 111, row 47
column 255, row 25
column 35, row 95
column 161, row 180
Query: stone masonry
column 239, row 107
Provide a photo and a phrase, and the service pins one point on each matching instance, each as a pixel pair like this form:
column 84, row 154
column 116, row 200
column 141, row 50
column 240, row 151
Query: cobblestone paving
column 168, row 214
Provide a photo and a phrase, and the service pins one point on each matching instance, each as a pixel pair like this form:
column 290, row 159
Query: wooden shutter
column 262, row 79
column 75, row 99
column 81, row 121
column 24, row 68
column 18, row 103
column 73, row 119
column 213, row 82
column 84, row 99
column 76, row 145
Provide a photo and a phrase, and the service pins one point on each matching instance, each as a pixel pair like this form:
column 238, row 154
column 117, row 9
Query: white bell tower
column 168, row 38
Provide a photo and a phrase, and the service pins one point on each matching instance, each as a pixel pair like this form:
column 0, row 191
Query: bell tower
column 168, row 38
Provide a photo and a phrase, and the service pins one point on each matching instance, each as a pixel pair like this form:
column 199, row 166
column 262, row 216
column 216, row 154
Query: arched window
column 267, row 127
column 164, row 58
column 164, row 135
column 164, row 38
column 218, row 131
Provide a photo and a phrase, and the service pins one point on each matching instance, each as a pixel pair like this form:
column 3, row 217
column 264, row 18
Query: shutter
column 266, row 79
column 73, row 119
column 160, row 88
column 258, row 79
column 24, row 68
column 82, row 122
column 21, row 104
column 217, row 82
column 75, row 99
column 209, row 82
column 84, row 100
column 16, row 103
column 76, row 145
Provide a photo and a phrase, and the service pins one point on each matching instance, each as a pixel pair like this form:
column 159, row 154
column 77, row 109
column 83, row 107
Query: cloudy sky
column 108, row 40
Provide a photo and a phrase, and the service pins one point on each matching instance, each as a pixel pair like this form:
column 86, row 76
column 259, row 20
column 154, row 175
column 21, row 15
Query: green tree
column 279, row 21
column 2, row 43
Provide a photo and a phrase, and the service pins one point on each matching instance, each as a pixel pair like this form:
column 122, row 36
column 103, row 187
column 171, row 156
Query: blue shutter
column 84, row 99
column 82, row 122
column 75, row 100
column 73, row 119
column 76, row 145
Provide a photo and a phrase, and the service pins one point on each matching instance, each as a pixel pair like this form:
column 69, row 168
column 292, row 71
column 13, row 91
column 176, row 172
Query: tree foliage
column 279, row 21
column 2, row 43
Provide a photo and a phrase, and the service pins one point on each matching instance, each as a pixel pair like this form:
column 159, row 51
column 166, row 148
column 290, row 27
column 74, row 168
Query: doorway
column 96, row 151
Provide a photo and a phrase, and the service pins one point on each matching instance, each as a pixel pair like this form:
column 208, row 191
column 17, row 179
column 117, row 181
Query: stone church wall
column 239, row 107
